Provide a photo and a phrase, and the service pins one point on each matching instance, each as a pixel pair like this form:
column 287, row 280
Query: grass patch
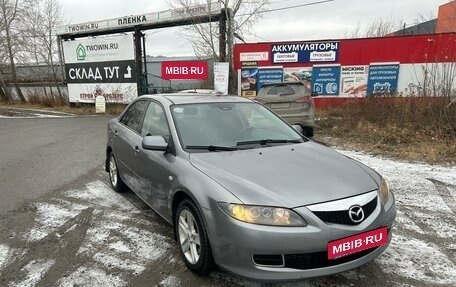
column 411, row 128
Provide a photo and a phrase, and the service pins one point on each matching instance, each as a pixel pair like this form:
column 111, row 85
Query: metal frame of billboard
column 211, row 12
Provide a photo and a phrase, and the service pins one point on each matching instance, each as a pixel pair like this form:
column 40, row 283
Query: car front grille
column 341, row 216
column 320, row 259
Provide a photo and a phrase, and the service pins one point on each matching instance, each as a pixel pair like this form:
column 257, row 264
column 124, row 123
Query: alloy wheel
column 189, row 237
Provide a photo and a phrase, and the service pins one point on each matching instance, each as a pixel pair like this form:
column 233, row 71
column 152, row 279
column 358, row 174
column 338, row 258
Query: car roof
column 197, row 98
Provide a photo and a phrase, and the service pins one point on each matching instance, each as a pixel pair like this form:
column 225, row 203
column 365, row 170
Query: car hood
column 287, row 175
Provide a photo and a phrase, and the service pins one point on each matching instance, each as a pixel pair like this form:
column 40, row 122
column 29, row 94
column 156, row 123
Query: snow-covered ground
column 92, row 236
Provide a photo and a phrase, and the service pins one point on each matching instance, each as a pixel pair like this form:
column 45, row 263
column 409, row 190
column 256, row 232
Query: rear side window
column 155, row 123
column 134, row 115
column 282, row 90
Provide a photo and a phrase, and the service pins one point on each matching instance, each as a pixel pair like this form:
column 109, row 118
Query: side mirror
column 314, row 94
column 156, row 143
column 298, row 128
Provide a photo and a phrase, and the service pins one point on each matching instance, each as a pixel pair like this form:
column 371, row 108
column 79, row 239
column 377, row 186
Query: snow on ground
column 170, row 281
column 34, row 271
column 5, row 254
column 101, row 194
column 420, row 206
column 413, row 258
column 89, row 276
column 49, row 218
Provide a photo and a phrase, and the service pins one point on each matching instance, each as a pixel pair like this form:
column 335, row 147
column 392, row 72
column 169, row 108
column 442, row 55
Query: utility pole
column 138, row 56
column 230, row 44
column 222, row 35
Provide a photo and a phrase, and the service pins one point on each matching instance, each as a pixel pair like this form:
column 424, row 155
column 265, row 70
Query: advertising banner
column 184, row 70
column 221, row 77
column 302, row 74
column 353, row 81
column 269, row 75
column 254, row 56
column 326, row 80
column 383, row 78
column 249, row 76
column 101, row 67
column 305, row 52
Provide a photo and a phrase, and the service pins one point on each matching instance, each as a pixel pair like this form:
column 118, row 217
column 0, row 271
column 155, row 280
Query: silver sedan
column 245, row 191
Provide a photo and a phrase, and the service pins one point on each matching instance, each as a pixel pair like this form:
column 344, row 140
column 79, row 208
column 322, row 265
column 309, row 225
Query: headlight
column 384, row 191
column 264, row 215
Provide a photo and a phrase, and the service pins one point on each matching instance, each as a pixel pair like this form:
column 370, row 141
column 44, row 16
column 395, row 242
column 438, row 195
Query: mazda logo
column 356, row 213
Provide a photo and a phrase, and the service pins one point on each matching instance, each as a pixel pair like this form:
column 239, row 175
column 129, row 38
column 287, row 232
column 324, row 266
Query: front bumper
column 234, row 243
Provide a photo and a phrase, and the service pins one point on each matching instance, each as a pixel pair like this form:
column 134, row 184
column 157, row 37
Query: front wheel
column 192, row 238
column 114, row 177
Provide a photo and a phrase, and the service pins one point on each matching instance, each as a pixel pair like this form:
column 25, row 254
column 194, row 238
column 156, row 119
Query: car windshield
column 230, row 126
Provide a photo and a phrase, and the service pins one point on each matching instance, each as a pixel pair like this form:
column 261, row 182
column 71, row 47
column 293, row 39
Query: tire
column 197, row 257
column 308, row 131
column 114, row 178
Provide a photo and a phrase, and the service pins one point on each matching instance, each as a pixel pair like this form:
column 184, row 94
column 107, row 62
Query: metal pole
column 146, row 84
column 137, row 40
column 222, row 36
column 232, row 77
column 59, row 44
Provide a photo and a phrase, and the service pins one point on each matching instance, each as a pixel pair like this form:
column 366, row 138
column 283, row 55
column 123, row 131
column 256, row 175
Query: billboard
column 269, row 75
column 326, row 80
column 305, row 52
column 353, row 81
column 249, row 77
column 184, row 70
column 383, row 78
column 101, row 67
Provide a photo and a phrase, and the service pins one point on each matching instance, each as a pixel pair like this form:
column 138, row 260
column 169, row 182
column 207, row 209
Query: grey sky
column 323, row 21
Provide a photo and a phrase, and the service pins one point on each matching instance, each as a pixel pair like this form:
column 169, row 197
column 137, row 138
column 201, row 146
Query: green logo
column 81, row 53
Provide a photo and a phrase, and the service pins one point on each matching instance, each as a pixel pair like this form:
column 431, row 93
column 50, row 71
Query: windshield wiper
column 268, row 141
column 212, row 147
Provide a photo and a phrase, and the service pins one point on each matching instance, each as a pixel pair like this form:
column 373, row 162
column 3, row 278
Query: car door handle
column 136, row 148
column 115, row 133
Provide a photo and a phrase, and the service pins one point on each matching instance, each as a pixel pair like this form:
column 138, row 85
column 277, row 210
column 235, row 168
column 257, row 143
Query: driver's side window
column 155, row 123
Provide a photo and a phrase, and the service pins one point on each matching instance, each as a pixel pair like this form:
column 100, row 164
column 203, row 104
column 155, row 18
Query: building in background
column 352, row 68
column 444, row 23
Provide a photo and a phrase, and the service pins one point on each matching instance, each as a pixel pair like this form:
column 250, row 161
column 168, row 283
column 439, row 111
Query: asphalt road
column 62, row 225
column 38, row 155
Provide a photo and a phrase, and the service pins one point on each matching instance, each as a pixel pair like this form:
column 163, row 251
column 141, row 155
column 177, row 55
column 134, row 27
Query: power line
column 288, row 7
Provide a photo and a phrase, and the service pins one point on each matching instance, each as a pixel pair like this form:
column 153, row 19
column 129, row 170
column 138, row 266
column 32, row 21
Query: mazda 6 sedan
column 246, row 191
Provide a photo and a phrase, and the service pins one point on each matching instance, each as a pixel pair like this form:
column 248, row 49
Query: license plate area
column 280, row 106
column 356, row 243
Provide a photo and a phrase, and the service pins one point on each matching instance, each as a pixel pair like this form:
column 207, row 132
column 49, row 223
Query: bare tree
column 11, row 12
column 377, row 28
column 3, row 92
column 240, row 16
column 51, row 17
column 384, row 26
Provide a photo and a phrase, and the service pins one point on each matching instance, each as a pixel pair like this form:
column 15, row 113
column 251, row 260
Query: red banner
column 186, row 70
column 356, row 243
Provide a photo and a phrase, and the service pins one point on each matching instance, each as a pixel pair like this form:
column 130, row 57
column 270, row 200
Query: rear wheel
column 116, row 182
column 308, row 131
column 192, row 237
